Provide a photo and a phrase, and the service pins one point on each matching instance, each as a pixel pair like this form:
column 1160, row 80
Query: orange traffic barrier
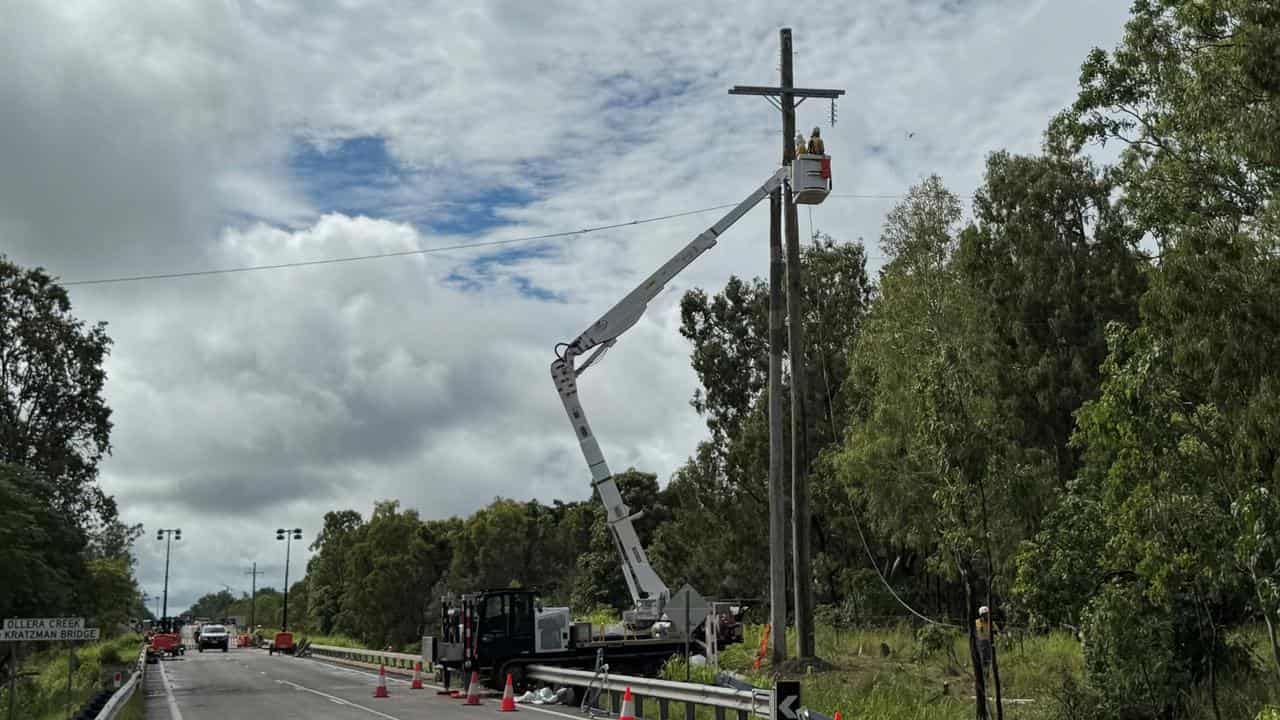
column 417, row 676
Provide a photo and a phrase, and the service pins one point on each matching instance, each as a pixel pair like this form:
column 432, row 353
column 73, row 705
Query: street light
column 288, row 536
column 172, row 534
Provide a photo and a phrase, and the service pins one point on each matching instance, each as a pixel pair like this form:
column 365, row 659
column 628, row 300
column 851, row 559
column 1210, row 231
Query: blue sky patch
column 353, row 178
column 359, row 176
column 479, row 273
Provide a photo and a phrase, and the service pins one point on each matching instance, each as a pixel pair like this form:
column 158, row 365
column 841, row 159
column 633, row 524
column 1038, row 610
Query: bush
column 933, row 639
column 1131, row 653
column 109, row 656
column 1072, row 700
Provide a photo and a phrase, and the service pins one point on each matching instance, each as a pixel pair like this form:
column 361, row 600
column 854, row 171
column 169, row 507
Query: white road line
column 174, row 712
column 367, row 673
column 338, row 700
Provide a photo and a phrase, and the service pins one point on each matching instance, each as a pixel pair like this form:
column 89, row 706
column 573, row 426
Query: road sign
column 60, row 623
column 76, row 634
column 686, row 610
column 786, row 700
column 46, row 630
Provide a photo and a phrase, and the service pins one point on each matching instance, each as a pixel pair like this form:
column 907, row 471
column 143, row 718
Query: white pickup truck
column 213, row 636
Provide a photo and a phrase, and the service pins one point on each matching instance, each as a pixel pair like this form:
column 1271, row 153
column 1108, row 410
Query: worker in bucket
column 986, row 630
column 801, row 147
column 815, row 143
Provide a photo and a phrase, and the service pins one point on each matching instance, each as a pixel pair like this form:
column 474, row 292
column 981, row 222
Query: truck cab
column 478, row 627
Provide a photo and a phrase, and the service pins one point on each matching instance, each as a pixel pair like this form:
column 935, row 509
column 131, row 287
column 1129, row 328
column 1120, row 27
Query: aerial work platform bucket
column 811, row 178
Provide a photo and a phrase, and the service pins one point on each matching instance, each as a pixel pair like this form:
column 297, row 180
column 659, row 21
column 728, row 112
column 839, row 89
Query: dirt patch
column 797, row 666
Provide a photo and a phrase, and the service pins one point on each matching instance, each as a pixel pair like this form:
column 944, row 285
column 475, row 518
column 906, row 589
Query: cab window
column 495, row 616
column 521, row 615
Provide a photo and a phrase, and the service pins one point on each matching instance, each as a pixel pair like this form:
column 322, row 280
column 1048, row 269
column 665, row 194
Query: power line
column 399, row 253
column 423, row 251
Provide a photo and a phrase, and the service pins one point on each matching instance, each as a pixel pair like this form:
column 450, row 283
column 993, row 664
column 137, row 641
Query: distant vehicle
column 213, row 636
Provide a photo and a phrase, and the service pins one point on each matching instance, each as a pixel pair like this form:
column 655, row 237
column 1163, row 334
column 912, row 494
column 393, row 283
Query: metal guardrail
column 744, row 703
column 369, row 658
column 122, row 696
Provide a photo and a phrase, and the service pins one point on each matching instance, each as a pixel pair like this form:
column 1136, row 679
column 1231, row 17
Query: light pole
column 288, row 536
column 171, row 534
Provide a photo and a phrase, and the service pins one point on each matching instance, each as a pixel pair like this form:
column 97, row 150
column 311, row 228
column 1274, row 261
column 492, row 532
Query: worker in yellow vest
column 801, row 147
column 815, row 143
column 985, row 629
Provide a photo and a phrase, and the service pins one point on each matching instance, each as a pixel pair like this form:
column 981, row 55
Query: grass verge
column 42, row 694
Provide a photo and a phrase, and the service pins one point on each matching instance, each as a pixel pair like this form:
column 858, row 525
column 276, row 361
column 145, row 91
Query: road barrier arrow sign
column 786, row 700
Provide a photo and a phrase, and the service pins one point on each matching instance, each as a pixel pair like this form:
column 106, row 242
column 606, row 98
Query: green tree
column 325, row 569
column 53, row 418
column 392, row 561
column 109, row 594
column 57, row 527
column 929, row 453
column 1191, row 92
column 1051, row 259
column 38, row 544
column 215, row 605
column 719, row 497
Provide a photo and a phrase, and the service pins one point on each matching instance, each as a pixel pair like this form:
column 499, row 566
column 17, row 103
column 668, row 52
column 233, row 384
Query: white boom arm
column 647, row 589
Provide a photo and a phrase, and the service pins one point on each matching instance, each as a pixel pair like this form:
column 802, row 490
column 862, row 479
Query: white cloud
column 139, row 141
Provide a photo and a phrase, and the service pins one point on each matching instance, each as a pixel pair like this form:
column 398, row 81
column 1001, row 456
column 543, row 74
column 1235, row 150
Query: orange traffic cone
column 473, row 689
column 508, row 697
column 417, row 676
column 837, row 717
column 381, row 690
column 628, row 707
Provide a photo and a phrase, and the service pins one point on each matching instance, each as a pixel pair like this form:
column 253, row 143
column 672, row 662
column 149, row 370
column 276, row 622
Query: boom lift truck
column 496, row 632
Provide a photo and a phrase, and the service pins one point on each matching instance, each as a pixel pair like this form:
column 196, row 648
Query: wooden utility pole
column 253, row 596
column 786, row 94
column 795, row 350
column 777, row 486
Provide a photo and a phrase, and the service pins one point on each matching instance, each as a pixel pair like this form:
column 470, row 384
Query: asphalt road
column 249, row 683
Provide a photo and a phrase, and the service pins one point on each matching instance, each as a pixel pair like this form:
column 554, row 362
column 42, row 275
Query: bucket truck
column 496, row 632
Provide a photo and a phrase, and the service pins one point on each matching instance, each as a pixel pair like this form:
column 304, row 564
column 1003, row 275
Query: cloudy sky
column 175, row 137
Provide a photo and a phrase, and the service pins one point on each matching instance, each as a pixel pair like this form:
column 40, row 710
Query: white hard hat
column 984, row 610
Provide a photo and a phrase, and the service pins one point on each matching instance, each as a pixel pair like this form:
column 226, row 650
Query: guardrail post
column 664, row 708
column 689, row 711
column 719, row 713
column 615, row 701
column 639, row 706
column 742, row 715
